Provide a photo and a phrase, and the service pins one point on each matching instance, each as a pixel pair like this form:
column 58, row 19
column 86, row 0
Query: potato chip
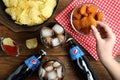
column 31, row 43
column 8, row 41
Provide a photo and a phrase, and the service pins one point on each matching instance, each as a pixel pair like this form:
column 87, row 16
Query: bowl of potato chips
column 85, row 15
column 26, row 15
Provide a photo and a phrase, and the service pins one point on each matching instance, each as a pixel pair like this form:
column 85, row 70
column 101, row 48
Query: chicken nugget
column 92, row 9
column 76, row 24
column 85, row 25
column 76, row 14
column 88, row 21
column 91, row 21
column 84, row 22
column 82, row 10
column 99, row 16
column 92, row 14
column 85, row 30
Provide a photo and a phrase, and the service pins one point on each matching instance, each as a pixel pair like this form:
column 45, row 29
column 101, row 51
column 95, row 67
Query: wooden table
column 10, row 63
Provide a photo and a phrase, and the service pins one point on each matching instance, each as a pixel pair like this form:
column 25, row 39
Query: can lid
column 69, row 39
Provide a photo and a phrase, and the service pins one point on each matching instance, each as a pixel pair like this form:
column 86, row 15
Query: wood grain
column 10, row 63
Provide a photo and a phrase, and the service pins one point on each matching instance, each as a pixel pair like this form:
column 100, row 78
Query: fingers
column 96, row 33
column 106, row 28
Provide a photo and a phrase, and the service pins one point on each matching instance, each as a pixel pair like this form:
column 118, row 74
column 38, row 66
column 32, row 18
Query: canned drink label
column 32, row 63
column 76, row 52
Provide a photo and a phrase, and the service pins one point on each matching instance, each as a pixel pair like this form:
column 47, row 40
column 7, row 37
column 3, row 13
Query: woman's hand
column 105, row 40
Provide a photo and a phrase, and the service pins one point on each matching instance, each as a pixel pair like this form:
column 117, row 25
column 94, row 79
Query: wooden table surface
column 10, row 63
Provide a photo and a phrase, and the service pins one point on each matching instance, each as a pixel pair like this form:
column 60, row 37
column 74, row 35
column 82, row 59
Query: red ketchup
column 12, row 50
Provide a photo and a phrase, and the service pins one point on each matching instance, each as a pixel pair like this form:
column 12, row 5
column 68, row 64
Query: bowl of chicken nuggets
column 85, row 15
column 26, row 15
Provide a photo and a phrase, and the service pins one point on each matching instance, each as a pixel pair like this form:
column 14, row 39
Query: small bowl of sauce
column 9, row 46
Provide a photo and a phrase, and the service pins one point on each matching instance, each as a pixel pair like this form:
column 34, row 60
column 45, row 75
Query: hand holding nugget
column 104, row 49
column 104, row 44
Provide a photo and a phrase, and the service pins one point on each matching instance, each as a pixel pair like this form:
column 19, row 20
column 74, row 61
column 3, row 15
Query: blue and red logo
column 33, row 61
column 75, row 51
